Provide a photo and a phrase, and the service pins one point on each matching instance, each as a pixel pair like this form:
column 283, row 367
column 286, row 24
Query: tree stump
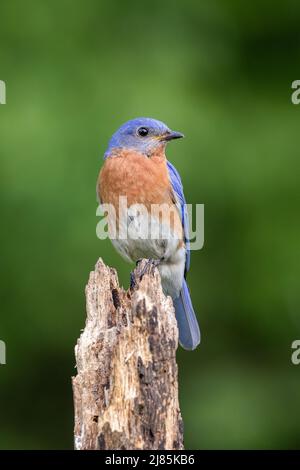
column 126, row 388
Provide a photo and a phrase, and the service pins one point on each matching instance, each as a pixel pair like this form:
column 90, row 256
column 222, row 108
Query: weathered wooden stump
column 126, row 387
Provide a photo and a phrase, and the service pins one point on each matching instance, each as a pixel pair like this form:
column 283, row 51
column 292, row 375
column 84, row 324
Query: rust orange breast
column 141, row 179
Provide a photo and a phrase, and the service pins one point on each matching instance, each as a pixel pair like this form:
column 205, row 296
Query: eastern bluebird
column 135, row 167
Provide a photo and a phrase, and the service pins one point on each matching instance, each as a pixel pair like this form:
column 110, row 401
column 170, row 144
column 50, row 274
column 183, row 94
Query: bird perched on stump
column 156, row 223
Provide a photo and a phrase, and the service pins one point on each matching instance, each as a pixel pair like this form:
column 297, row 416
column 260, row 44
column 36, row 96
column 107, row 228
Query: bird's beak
column 172, row 135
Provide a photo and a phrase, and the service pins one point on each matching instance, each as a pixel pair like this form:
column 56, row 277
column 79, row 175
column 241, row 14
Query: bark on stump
column 126, row 387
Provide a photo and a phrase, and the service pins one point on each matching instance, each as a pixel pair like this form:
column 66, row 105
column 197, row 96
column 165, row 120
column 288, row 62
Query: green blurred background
column 219, row 71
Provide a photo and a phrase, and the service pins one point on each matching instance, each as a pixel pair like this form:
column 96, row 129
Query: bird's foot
column 133, row 275
column 140, row 271
column 132, row 281
column 151, row 263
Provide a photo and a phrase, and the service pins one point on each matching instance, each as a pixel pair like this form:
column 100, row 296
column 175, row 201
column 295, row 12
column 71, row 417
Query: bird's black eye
column 143, row 131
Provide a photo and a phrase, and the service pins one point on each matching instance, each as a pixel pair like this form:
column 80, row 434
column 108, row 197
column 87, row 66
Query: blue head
column 143, row 135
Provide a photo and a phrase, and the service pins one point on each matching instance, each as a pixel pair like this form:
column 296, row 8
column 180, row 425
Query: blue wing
column 189, row 332
column 178, row 191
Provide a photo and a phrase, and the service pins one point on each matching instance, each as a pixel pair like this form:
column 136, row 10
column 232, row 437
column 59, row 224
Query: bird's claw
column 132, row 281
column 150, row 263
column 142, row 271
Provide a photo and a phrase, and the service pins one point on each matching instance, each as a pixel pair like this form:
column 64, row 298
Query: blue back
column 178, row 190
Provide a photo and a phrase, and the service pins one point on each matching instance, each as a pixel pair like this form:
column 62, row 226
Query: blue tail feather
column 189, row 332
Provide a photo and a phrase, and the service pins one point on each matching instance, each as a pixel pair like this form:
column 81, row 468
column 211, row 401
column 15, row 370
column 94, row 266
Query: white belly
column 149, row 238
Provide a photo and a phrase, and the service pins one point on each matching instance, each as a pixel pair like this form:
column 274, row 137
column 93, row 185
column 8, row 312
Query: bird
column 136, row 168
